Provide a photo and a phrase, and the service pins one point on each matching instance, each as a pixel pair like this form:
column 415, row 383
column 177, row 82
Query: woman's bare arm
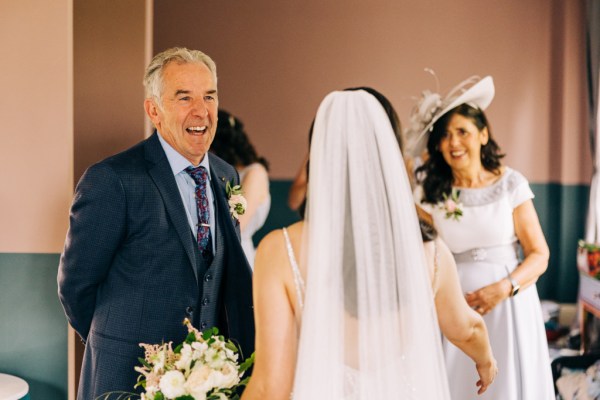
column 459, row 323
column 276, row 331
column 536, row 252
column 297, row 191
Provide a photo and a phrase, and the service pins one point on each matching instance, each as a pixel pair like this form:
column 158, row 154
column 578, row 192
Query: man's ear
column 484, row 136
column 151, row 109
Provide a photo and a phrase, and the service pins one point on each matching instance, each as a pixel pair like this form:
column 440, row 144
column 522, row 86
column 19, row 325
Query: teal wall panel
column 280, row 214
column 562, row 210
column 33, row 328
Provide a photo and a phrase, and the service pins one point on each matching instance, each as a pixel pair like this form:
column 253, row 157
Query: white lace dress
column 257, row 221
column 484, row 244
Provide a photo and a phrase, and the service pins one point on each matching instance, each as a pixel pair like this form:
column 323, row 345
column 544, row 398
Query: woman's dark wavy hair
column 231, row 142
column 435, row 174
column 428, row 232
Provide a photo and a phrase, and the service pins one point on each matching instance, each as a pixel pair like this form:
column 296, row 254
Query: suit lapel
column 162, row 175
column 221, row 214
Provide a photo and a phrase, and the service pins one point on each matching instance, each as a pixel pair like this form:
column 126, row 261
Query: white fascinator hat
column 474, row 91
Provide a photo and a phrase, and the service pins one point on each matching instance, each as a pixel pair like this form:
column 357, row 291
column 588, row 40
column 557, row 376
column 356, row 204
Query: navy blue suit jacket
column 131, row 272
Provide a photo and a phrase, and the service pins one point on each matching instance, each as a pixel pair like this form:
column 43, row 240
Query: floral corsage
column 205, row 366
column 452, row 206
column 237, row 202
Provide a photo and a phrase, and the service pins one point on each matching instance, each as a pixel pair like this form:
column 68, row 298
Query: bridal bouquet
column 204, row 367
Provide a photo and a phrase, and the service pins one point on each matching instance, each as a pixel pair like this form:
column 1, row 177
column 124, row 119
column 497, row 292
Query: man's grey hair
column 153, row 78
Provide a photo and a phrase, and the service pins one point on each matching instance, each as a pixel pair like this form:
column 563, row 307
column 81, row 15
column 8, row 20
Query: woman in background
column 297, row 192
column 232, row 144
column 484, row 212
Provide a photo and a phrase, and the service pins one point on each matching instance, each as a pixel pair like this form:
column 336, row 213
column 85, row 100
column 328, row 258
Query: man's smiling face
column 187, row 117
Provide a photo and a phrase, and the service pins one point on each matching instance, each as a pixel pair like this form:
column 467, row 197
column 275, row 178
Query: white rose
column 185, row 358
column 227, row 377
column 200, row 346
column 238, row 198
column 198, row 383
column 199, row 349
column 237, row 205
column 172, row 384
column 211, row 356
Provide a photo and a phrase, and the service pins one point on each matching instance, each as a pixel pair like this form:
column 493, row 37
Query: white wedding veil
column 369, row 327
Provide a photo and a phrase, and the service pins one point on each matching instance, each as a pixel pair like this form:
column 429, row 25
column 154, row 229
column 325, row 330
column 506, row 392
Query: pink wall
column 36, row 135
column 109, row 63
column 277, row 60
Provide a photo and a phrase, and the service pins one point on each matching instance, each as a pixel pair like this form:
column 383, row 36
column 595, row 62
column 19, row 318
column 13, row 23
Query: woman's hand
column 485, row 299
column 487, row 374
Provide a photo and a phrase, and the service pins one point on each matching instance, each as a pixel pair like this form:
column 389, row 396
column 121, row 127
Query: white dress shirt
column 187, row 187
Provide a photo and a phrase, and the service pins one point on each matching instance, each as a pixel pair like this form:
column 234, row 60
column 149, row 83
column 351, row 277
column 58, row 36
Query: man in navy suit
column 132, row 268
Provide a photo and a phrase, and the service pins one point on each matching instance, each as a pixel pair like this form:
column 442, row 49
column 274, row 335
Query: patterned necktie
column 200, row 176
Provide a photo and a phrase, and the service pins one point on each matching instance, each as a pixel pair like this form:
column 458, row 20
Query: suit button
column 205, row 301
column 189, row 311
column 208, row 278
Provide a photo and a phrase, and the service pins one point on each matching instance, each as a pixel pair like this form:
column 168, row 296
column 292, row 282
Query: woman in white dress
column 366, row 326
column 484, row 212
column 232, row 144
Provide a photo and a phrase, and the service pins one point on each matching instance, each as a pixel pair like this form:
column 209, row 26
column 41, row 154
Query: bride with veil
column 345, row 306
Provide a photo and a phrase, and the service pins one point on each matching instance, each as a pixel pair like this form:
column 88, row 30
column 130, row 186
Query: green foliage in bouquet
column 203, row 367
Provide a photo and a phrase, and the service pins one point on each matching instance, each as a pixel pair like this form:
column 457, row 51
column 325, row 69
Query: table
column 12, row 388
column 589, row 299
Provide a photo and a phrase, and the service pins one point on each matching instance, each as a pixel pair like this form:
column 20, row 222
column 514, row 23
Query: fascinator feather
column 474, row 91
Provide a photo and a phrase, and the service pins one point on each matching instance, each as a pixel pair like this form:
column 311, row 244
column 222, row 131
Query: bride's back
column 368, row 323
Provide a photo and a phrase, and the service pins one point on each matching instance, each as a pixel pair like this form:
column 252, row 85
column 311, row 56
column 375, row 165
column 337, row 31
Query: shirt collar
column 178, row 162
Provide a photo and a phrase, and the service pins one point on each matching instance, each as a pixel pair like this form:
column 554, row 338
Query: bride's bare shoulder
column 272, row 248
column 295, row 231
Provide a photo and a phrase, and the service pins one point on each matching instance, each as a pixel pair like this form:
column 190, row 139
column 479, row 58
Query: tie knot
column 198, row 174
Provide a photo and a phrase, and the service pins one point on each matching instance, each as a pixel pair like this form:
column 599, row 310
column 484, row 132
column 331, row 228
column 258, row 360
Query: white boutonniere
column 237, row 202
column 452, row 206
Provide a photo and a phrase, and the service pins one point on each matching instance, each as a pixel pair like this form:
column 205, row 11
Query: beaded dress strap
column 298, row 281
column 436, row 267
